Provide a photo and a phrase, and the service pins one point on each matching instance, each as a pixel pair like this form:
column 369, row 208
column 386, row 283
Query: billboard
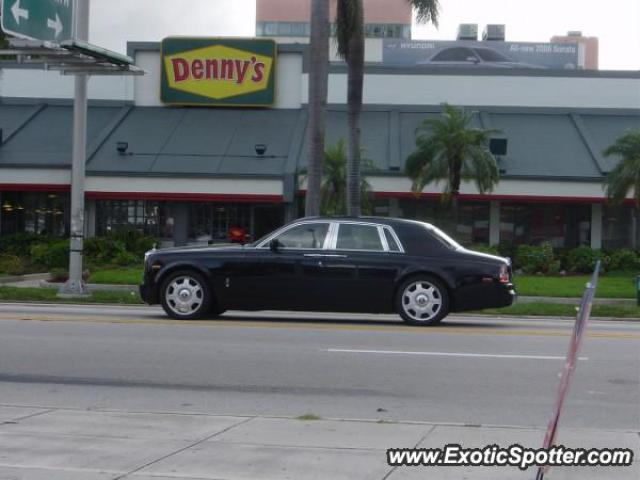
column 488, row 54
column 228, row 72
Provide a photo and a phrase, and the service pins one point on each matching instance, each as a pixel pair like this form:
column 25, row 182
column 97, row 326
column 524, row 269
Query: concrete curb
column 24, row 278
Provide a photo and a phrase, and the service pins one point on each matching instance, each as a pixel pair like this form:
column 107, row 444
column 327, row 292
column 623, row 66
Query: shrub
column 12, row 264
column 20, row 244
column 536, row 259
column 135, row 243
column 122, row 248
column 125, row 258
column 625, row 260
column 50, row 256
column 102, row 249
column 582, row 259
column 507, row 250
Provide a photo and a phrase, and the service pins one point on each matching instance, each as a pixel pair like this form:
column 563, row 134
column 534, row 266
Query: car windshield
column 443, row 237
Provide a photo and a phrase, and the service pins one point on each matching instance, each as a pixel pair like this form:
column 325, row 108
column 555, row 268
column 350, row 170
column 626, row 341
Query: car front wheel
column 186, row 295
column 422, row 301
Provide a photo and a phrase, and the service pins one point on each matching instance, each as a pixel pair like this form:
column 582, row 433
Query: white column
column 596, row 226
column 394, row 207
column 494, row 222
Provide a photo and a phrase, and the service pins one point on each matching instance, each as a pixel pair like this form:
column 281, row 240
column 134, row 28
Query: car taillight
column 504, row 274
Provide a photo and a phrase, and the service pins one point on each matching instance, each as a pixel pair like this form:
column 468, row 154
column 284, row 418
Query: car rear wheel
column 186, row 295
column 422, row 301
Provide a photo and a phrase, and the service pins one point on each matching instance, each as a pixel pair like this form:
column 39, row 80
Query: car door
column 287, row 279
column 360, row 274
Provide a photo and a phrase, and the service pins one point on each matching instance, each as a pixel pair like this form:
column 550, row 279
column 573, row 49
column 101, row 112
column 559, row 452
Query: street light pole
column 75, row 285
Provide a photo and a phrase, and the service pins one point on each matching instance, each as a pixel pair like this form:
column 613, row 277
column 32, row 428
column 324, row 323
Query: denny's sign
column 218, row 71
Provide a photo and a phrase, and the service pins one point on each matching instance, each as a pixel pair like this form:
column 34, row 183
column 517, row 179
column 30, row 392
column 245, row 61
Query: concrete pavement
column 106, row 393
column 40, row 443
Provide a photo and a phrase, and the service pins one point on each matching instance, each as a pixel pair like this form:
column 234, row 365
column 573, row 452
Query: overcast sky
column 615, row 22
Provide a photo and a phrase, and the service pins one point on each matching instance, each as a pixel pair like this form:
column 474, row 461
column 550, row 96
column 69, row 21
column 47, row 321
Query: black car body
column 369, row 265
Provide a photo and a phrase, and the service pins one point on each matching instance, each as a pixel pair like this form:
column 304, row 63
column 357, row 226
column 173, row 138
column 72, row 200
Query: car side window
column 391, row 241
column 358, row 237
column 307, row 235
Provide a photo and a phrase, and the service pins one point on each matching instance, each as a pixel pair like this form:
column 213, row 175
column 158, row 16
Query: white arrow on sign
column 56, row 25
column 19, row 13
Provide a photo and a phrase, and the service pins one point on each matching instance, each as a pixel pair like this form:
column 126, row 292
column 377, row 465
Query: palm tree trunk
column 355, row 63
column 318, row 85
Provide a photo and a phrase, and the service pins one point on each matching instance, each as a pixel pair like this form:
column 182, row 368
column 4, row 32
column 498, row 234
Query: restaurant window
column 35, row 212
column 620, row 227
column 212, row 221
column 149, row 217
column 533, row 224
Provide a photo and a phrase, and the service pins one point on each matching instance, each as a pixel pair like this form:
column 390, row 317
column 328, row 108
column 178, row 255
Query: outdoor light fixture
column 7, row 206
column 261, row 148
column 122, row 147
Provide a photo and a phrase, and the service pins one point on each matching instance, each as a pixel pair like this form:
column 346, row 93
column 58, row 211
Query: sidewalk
column 38, row 443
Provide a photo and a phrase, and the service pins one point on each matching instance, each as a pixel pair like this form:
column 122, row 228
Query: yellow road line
column 471, row 330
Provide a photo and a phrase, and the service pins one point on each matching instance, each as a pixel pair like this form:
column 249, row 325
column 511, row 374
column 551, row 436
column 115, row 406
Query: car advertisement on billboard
column 470, row 54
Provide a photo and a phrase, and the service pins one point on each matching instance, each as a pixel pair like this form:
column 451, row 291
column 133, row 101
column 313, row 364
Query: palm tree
column 350, row 43
column 626, row 174
column 449, row 149
column 333, row 191
column 318, row 85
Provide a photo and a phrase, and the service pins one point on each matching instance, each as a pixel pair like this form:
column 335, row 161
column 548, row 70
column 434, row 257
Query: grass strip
column 564, row 310
column 116, row 276
column 17, row 294
column 611, row 285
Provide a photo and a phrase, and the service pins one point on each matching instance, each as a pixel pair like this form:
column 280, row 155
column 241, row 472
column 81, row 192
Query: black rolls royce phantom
column 364, row 264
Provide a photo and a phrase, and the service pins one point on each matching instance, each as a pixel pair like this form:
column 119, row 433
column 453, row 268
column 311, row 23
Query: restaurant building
column 178, row 156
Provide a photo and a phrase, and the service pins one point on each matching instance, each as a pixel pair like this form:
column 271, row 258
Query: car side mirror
column 274, row 245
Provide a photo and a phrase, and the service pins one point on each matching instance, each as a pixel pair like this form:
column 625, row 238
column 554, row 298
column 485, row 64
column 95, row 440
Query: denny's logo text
column 225, row 72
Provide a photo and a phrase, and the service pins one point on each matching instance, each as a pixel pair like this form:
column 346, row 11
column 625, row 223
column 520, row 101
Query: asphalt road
column 470, row 370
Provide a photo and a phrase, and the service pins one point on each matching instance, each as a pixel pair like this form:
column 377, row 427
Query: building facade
column 189, row 174
column 589, row 47
column 290, row 18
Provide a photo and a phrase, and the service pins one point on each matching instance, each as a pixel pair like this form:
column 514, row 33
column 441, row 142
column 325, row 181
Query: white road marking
column 453, row 354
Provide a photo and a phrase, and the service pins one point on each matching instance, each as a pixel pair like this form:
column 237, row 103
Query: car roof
column 391, row 221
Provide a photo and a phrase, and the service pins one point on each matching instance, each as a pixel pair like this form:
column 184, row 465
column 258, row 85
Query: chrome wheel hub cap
column 184, row 295
column 421, row 301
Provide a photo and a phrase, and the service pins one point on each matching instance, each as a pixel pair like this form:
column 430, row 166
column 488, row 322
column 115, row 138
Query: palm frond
column 349, row 22
column 625, row 176
column 426, row 11
column 450, row 150
column 333, row 192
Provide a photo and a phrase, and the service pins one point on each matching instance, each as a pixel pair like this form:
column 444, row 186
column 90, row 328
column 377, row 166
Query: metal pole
column 75, row 285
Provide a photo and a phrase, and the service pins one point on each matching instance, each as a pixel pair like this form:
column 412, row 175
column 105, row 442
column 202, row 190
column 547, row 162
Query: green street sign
column 46, row 20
